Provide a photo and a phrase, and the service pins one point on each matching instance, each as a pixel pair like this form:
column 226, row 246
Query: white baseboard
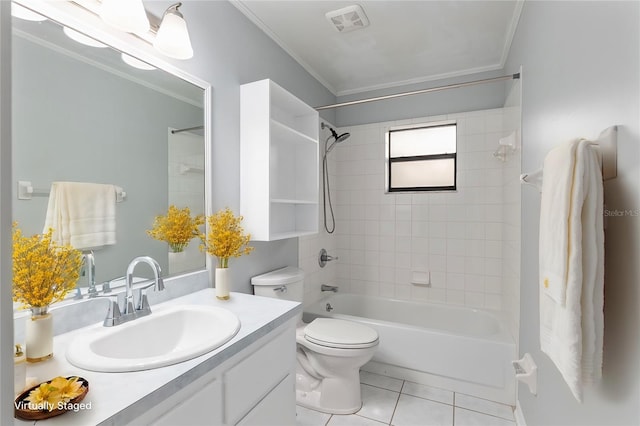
column 519, row 415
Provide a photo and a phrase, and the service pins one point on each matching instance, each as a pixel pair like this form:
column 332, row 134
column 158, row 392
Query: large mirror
column 82, row 114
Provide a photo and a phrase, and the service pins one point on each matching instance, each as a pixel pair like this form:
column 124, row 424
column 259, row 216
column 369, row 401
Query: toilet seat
column 336, row 333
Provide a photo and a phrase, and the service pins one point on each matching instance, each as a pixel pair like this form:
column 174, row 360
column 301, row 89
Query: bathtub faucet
column 332, row 288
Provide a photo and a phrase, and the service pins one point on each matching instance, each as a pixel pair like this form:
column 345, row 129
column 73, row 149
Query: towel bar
column 26, row 191
column 534, row 179
column 607, row 147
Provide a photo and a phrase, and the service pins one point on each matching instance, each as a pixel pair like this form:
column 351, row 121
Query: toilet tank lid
column 287, row 275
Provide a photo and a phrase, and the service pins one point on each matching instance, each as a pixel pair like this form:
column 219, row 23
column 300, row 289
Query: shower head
column 338, row 138
column 342, row 137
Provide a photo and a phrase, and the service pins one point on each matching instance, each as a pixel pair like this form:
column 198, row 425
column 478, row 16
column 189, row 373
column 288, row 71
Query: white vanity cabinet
column 278, row 163
column 254, row 387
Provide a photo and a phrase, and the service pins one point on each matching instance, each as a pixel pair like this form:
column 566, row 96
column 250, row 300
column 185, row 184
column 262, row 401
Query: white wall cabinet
column 279, row 163
column 254, row 387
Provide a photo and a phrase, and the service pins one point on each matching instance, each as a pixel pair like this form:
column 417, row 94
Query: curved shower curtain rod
column 418, row 92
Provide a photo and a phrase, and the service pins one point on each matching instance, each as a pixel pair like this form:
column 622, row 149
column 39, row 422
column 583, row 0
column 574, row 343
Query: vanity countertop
column 118, row 398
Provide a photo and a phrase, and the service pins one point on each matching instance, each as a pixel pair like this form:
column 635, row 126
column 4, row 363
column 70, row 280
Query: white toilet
column 330, row 351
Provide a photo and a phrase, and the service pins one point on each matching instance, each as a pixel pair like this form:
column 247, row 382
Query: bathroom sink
column 167, row 336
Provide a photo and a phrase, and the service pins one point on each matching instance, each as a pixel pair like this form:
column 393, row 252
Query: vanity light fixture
column 23, row 13
column 172, row 38
column 125, row 15
column 136, row 63
column 82, row 39
column 168, row 35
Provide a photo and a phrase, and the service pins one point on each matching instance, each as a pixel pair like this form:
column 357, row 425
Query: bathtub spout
column 332, row 288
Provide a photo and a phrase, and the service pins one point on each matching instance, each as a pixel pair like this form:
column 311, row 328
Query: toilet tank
column 286, row 283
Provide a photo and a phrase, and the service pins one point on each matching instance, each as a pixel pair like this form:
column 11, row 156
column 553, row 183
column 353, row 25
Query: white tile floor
column 396, row 402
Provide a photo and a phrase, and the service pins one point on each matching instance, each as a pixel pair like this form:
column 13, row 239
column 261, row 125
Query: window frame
column 420, row 189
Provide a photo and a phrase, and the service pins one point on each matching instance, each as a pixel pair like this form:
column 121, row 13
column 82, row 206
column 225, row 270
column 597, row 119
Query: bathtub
column 456, row 348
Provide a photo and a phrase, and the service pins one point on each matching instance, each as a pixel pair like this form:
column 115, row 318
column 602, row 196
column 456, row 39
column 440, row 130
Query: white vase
column 39, row 335
column 178, row 262
column 222, row 283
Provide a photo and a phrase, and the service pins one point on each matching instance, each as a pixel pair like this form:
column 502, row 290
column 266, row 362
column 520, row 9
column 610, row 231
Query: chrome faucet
column 116, row 316
column 89, row 270
column 157, row 284
column 332, row 288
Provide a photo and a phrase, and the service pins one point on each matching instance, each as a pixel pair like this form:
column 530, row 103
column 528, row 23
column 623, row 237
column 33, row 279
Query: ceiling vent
column 348, row 18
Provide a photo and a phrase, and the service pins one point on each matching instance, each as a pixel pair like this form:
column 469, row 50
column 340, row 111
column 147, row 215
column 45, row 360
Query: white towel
column 571, row 333
column 555, row 224
column 82, row 214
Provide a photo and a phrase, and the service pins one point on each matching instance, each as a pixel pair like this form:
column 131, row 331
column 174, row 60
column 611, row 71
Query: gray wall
column 75, row 122
column 473, row 98
column 6, row 309
column 580, row 75
column 230, row 51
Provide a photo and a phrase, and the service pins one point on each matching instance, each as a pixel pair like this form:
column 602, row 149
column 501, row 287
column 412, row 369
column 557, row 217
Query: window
column 421, row 158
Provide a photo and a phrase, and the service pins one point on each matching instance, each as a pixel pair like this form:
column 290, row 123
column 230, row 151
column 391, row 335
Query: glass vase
column 39, row 335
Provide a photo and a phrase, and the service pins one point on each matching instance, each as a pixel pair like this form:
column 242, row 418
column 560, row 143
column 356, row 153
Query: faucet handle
column 323, row 258
column 143, row 301
column 113, row 313
column 78, row 295
column 106, row 286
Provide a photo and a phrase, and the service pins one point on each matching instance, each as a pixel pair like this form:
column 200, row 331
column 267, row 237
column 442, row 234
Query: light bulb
column 81, row 38
column 136, row 63
column 125, row 15
column 172, row 38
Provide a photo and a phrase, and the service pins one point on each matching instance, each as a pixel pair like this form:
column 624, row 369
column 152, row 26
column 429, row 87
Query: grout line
column 454, row 409
column 377, row 387
column 452, row 403
column 396, row 406
column 487, row 414
column 488, row 400
column 370, row 418
column 482, row 412
column 453, row 415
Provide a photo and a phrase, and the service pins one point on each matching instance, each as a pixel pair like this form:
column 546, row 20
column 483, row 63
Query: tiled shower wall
column 309, row 246
column 469, row 239
column 386, row 241
column 511, row 191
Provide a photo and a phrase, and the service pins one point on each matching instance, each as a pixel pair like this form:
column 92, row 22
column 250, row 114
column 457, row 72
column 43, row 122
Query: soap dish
column 22, row 412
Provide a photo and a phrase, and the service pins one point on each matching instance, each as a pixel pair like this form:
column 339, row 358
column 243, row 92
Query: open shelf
column 288, row 134
column 279, row 163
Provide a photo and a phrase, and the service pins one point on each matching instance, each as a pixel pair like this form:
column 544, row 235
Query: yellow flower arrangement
column 177, row 228
column 58, row 391
column 43, row 271
column 226, row 237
